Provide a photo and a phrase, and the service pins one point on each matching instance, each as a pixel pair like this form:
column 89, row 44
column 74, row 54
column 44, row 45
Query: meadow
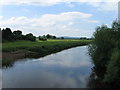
column 28, row 45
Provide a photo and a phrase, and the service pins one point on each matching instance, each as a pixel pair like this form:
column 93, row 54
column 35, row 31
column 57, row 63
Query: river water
column 69, row 68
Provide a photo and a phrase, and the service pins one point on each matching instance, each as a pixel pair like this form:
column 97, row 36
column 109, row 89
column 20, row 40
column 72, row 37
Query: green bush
column 42, row 38
column 102, row 45
column 30, row 37
column 105, row 53
column 113, row 69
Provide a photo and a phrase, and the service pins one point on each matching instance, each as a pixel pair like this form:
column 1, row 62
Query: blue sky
column 57, row 17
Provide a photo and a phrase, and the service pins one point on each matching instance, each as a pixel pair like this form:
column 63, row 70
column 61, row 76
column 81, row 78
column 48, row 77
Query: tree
column 30, row 37
column 105, row 53
column 62, row 37
column 18, row 34
column 83, row 38
column 7, row 34
column 54, row 37
column 42, row 38
column 48, row 36
column 116, row 25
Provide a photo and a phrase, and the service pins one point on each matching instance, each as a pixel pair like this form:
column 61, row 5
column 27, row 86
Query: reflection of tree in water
column 95, row 79
column 7, row 63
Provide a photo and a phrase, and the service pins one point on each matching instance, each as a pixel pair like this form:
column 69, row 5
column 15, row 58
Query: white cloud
column 58, row 24
column 109, row 6
column 1, row 17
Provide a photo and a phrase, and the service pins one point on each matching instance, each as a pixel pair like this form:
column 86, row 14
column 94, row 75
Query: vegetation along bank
column 29, row 46
column 105, row 53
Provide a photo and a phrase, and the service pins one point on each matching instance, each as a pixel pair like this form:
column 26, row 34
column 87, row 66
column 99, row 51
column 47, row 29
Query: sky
column 74, row 18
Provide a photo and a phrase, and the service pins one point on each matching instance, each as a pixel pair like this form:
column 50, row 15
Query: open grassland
column 28, row 45
column 12, row 51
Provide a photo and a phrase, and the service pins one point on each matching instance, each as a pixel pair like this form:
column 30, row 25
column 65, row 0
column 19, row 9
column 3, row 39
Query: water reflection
column 67, row 69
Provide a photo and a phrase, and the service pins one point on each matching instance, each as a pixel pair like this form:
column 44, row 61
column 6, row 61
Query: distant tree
column 62, row 37
column 48, row 36
column 23, row 37
column 7, row 34
column 42, row 38
column 18, row 34
column 30, row 37
column 54, row 37
column 83, row 38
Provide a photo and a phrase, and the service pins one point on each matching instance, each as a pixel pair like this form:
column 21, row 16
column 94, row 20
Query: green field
column 28, row 45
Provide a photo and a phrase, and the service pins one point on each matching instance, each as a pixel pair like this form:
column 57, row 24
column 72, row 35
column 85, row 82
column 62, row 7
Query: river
column 69, row 68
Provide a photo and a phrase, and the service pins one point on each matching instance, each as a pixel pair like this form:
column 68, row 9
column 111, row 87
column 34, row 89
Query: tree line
column 8, row 35
column 45, row 37
column 105, row 53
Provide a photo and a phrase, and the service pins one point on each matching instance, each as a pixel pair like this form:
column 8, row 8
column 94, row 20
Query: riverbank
column 12, row 51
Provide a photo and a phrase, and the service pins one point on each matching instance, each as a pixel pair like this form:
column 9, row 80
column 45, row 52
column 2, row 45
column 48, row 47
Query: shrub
column 42, row 38
column 105, row 53
column 30, row 37
column 113, row 69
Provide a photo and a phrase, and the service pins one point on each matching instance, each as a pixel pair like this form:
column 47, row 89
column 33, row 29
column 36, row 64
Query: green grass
column 28, row 45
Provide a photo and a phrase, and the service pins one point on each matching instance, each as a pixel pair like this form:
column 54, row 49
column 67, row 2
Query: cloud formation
column 58, row 24
column 1, row 17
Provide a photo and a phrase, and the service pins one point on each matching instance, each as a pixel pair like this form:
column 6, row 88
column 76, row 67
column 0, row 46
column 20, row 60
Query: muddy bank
column 13, row 55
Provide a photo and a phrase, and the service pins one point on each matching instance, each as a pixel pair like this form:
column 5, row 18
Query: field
column 12, row 51
column 28, row 45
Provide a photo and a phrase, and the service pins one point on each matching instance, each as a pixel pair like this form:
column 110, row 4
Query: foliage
column 8, row 35
column 105, row 52
column 17, row 35
column 113, row 69
column 30, row 37
column 42, row 38
column 83, row 38
column 45, row 37
column 62, row 37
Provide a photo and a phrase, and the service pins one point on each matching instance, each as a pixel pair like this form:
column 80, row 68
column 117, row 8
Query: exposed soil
column 13, row 55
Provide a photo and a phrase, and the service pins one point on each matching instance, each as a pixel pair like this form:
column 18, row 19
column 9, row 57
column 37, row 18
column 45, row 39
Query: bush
column 42, row 38
column 7, row 34
column 113, row 69
column 102, row 45
column 17, row 35
column 30, row 37
column 105, row 53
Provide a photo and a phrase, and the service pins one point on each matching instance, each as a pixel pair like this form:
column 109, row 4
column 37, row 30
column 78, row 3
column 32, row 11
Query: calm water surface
column 66, row 69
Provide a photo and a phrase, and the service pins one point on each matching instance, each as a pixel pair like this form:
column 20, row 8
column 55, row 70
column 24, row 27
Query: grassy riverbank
column 28, row 49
